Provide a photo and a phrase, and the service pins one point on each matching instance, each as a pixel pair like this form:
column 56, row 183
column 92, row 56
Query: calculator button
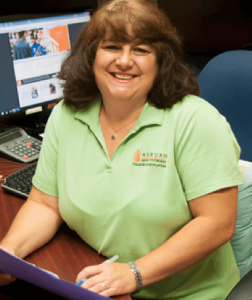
column 28, row 144
column 25, row 157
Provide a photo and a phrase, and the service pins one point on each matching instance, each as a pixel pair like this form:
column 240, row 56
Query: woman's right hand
column 6, row 279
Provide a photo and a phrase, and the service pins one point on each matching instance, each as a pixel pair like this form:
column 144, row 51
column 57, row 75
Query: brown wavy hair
column 174, row 79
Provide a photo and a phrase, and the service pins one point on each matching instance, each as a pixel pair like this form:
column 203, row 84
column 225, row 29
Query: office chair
column 226, row 83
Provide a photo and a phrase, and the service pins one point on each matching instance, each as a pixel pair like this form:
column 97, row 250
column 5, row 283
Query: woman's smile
column 124, row 77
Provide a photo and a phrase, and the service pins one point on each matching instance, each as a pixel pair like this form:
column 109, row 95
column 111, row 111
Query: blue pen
column 80, row 282
column 112, row 259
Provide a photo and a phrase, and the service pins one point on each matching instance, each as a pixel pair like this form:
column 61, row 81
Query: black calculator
column 17, row 145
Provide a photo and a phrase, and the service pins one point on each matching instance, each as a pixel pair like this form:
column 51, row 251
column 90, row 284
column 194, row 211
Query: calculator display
column 10, row 137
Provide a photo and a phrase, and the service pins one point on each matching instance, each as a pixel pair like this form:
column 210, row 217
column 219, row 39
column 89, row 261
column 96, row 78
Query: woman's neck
column 117, row 119
column 119, row 112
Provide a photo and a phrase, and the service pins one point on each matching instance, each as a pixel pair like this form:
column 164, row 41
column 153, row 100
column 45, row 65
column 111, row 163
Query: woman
column 136, row 164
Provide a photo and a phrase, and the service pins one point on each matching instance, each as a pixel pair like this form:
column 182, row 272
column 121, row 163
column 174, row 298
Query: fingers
column 95, row 279
column 100, row 288
column 7, row 249
column 88, row 272
column 91, row 276
column 108, row 279
column 6, row 279
column 100, row 285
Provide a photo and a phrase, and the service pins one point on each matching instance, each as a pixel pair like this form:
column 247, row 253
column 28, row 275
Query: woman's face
column 125, row 72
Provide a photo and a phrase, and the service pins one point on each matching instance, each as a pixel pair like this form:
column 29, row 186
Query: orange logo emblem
column 137, row 157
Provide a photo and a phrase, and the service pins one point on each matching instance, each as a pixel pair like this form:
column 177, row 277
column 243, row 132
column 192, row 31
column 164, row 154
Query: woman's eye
column 141, row 50
column 111, row 47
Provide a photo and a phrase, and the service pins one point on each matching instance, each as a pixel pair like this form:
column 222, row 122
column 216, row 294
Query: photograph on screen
column 28, row 43
column 45, row 49
column 39, row 42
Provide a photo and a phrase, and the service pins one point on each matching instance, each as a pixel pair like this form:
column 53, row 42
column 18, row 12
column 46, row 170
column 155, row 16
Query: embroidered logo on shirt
column 137, row 157
column 150, row 159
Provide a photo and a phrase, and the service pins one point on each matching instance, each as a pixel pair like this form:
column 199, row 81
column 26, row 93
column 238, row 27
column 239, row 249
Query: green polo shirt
column 132, row 203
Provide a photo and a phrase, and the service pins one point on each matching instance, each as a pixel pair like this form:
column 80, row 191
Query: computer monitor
column 31, row 53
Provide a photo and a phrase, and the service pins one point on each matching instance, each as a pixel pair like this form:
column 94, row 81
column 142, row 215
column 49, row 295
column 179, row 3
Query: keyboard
column 20, row 182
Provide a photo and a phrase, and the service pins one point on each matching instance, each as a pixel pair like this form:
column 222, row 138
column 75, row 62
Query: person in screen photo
column 34, row 93
column 21, row 48
column 37, row 48
column 52, row 88
column 35, row 33
column 13, row 37
column 137, row 164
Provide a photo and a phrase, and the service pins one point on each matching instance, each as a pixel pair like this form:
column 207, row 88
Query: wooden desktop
column 65, row 255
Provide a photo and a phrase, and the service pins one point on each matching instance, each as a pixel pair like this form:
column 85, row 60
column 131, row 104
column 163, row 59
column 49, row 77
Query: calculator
column 17, row 145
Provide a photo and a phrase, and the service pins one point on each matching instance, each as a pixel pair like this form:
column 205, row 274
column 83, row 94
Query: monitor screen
column 31, row 54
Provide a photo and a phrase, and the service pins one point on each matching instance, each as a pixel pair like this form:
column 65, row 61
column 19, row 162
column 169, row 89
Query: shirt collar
column 150, row 115
column 90, row 115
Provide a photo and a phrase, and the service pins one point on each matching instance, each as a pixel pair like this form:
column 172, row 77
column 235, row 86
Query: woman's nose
column 124, row 59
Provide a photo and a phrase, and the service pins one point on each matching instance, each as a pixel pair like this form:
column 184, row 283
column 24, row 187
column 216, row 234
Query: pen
column 112, row 259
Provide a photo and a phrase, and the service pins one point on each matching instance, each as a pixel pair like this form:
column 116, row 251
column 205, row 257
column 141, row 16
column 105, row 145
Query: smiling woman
column 124, row 74
column 137, row 164
column 121, row 22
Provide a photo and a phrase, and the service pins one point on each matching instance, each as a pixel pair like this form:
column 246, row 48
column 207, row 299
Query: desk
column 66, row 255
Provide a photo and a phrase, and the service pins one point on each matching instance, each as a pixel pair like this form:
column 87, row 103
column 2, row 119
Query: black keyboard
column 20, row 182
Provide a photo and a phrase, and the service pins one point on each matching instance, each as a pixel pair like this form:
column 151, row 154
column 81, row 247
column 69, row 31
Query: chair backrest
column 226, row 82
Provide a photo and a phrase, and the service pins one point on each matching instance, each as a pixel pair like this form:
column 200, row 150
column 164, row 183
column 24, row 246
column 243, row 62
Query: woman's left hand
column 109, row 279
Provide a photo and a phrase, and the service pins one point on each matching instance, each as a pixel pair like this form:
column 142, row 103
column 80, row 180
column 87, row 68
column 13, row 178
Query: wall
column 205, row 25
column 212, row 24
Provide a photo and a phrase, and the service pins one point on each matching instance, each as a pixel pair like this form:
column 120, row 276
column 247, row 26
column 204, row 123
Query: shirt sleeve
column 207, row 153
column 45, row 178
